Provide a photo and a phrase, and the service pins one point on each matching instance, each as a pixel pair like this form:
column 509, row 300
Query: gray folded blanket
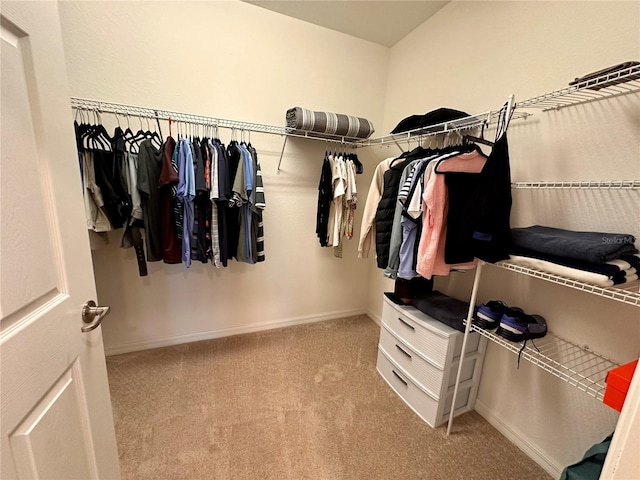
column 594, row 247
column 330, row 123
column 439, row 306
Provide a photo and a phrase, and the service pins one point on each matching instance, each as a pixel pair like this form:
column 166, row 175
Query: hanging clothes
column 167, row 185
column 222, row 202
column 490, row 206
column 337, row 200
column 196, row 199
column 338, row 184
column 186, row 193
column 351, row 197
column 201, row 234
column 431, row 247
column 176, row 202
column 242, row 187
column 108, row 177
column 387, row 205
column 367, row 227
column 325, row 196
column 104, row 195
column 214, row 196
column 204, row 147
column 233, row 214
column 132, row 236
column 257, row 202
column 395, row 240
column 149, row 169
column 97, row 219
column 458, row 247
column 410, row 197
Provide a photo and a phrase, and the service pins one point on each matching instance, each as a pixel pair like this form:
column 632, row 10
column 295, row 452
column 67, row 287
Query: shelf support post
column 284, row 144
column 467, row 330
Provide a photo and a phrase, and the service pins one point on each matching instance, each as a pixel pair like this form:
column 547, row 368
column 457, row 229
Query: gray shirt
column 396, row 231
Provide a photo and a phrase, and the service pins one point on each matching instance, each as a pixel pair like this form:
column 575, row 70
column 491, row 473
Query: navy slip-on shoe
column 487, row 316
column 519, row 326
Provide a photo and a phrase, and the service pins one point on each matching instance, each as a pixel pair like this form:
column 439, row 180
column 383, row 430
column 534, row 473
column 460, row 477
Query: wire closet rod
column 466, row 123
column 161, row 114
column 595, row 185
column 462, row 124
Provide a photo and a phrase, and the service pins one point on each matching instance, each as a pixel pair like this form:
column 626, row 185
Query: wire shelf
column 629, row 295
column 137, row 111
column 99, row 106
column 604, row 185
column 460, row 125
column 574, row 364
column 622, row 82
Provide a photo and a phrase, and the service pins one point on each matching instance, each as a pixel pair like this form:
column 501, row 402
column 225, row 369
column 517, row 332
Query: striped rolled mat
column 303, row 119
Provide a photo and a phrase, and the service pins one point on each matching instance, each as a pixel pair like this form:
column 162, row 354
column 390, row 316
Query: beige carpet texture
column 302, row 402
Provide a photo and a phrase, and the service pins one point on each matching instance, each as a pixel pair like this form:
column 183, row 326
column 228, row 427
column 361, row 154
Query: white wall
column 471, row 56
column 231, row 60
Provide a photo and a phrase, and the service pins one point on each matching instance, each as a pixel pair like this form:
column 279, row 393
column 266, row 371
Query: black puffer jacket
column 386, row 209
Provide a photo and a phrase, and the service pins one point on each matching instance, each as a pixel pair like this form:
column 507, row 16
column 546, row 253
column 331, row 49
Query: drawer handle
column 400, row 378
column 407, row 324
column 403, row 350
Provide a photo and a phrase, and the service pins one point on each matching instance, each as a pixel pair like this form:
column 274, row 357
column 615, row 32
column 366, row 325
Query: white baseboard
column 225, row 332
column 519, row 440
column 376, row 319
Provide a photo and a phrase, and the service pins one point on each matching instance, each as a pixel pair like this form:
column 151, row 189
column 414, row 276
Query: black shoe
column 517, row 326
column 487, row 316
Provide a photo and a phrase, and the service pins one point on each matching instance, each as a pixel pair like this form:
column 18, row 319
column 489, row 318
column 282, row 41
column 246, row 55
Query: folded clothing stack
column 631, row 69
column 602, row 259
column 305, row 120
column 443, row 308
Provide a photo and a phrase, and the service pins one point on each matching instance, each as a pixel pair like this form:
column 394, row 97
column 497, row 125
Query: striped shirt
column 258, row 205
column 213, row 196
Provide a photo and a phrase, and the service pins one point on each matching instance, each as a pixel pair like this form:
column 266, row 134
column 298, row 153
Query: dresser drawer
column 428, row 376
column 411, row 330
column 430, row 409
column 437, row 341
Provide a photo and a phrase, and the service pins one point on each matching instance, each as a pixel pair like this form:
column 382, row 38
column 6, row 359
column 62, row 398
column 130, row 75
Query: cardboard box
column 618, row 381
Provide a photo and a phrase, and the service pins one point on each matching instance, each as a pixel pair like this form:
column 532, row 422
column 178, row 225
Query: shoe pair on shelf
column 512, row 323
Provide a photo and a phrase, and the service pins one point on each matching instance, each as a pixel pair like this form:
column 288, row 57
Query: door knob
column 92, row 315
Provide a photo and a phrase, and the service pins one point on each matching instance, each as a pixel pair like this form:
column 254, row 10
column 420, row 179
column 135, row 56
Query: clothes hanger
column 128, row 135
column 504, row 116
column 153, row 135
column 138, row 137
column 80, row 129
column 85, row 131
column 159, row 130
column 481, row 138
column 99, row 137
column 118, row 136
column 456, row 150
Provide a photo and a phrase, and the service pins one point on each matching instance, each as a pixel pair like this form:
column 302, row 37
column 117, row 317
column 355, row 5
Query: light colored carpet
column 304, row 402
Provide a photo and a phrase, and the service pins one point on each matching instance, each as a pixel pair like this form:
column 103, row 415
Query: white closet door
column 55, row 405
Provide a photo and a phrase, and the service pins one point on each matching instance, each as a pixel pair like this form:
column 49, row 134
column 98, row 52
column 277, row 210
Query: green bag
column 590, row 467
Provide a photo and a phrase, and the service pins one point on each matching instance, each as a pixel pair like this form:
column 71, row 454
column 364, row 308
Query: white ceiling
column 380, row 21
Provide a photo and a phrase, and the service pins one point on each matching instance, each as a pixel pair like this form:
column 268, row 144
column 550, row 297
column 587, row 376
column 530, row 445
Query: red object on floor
column 618, row 381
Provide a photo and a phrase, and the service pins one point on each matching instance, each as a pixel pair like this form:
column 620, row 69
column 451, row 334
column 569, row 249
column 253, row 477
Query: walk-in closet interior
column 573, row 167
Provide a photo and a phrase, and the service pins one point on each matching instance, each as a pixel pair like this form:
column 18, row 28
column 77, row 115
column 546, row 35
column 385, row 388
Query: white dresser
column 418, row 357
